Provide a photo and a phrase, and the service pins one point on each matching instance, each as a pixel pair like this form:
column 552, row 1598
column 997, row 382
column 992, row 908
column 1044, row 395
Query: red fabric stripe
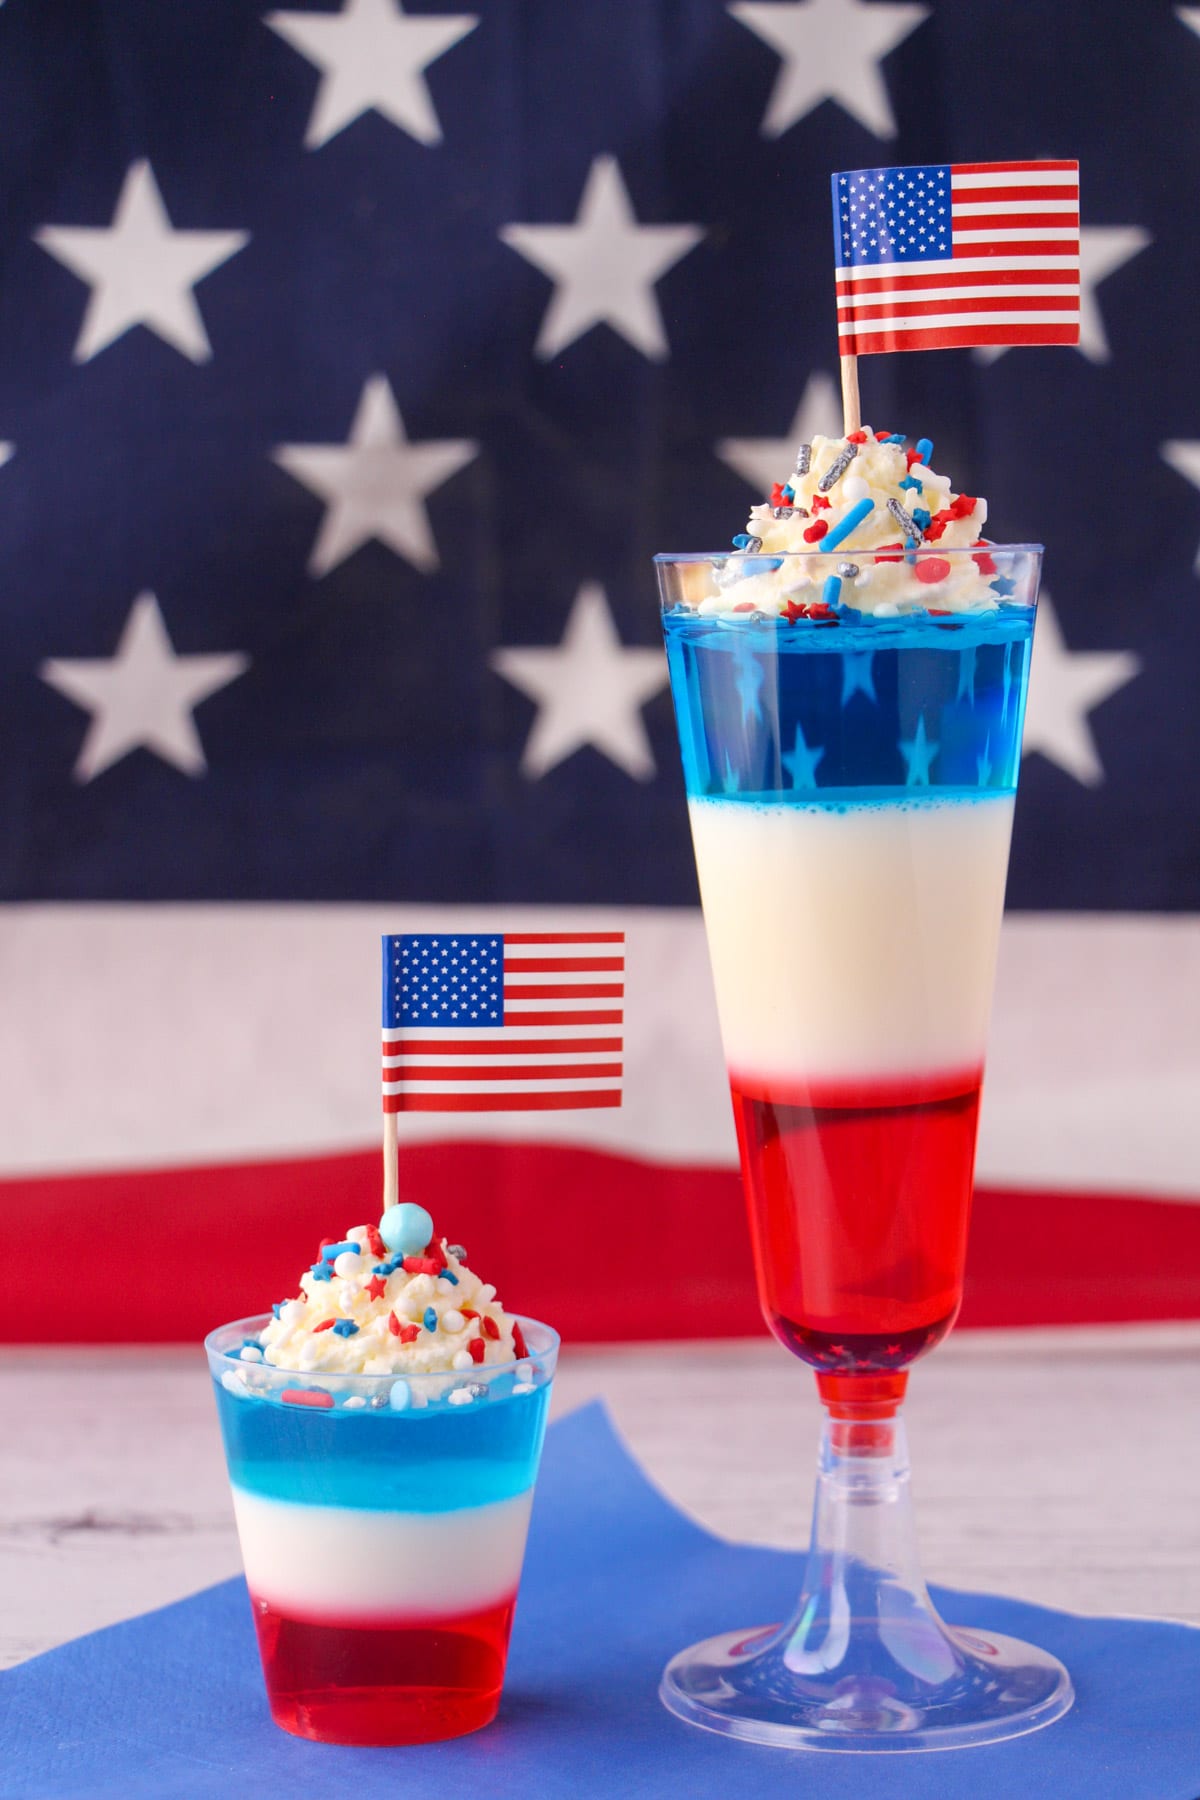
column 564, row 937
column 987, row 196
column 1017, row 247
column 931, row 308
column 581, row 1071
column 226, row 1242
column 1030, row 221
column 515, row 1046
column 583, row 990
column 953, row 278
column 565, row 965
column 954, row 337
column 1011, row 168
column 566, row 1101
column 520, row 1016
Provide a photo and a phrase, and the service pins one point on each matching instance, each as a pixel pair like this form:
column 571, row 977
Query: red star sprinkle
column 856, row 437
column 475, row 1349
column 822, row 502
column 376, row 1287
column 795, row 609
column 436, row 1254
column 409, row 1334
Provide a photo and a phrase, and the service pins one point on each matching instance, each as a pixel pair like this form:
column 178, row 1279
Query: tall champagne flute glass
column 850, row 783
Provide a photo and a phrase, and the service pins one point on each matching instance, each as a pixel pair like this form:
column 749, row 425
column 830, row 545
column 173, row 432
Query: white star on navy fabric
column 372, row 56
column 6, row 451
column 801, row 761
column 141, row 270
column 918, row 752
column 589, row 690
column 831, row 50
column 1103, row 249
column 604, row 266
column 375, row 484
column 1183, row 454
column 447, row 981
column 884, row 214
column 1064, row 687
column 761, row 462
column 143, row 696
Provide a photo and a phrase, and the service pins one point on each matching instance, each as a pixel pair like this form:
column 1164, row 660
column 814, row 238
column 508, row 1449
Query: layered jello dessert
column 849, row 684
column 383, row 1430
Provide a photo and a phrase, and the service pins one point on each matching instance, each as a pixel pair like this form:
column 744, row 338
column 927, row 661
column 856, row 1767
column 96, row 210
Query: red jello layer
column 859, row 1195
column 396, row 1681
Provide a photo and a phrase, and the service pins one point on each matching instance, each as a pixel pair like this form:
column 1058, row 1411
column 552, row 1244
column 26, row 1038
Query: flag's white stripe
column 996, row 290
column 900, row 321
column 562, row 977
column 523, row 952
column 568, row 1084
column 1042, row 234
column 963, row 209
column 498, row 1033
column 1074, row 1097
column 575, row 1058
column 1017, row 178
column 516, row 1010
column 962, row 265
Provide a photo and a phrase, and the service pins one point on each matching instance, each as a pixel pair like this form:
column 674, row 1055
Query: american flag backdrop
column 354, row 361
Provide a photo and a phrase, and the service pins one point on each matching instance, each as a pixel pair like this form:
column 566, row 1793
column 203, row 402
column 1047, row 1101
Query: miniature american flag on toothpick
column 948, row 255
column 524, row 1022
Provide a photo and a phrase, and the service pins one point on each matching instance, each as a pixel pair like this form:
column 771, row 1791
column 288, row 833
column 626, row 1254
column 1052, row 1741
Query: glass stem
column 864, row 1603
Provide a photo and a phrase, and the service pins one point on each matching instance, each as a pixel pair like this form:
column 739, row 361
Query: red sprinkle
column 378, row 1247
column 325, row 1325
column 986, row 564
column 475, row 1349
column 746, row 605
column 490, row 1328
column 816, row 531
column 931, row 568
column 777, row 498
column 306, row 1396
column 822, row 502
column 420, row 1265
column 911, row 457
column 937, row 525
column 819, row 610
column 856, row 437
column 468, row 1312
column 519, row 1339
column 963, row 507
column 795, row 609
column 881, row 559
column 435, row 1253
column 409, row 1334
column 376, row 1287
column 394, row 1324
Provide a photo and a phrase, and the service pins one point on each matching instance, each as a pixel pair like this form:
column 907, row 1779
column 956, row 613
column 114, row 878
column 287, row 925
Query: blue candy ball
column 406, row 1229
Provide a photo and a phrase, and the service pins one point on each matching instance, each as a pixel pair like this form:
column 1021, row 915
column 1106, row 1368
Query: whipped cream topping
column 363, row 1310
column 869, row 510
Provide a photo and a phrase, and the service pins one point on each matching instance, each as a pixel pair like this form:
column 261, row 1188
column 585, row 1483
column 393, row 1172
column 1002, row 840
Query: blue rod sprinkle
column 332, row 1250
column 924, row 450
column 848, row 523
column 831, row 593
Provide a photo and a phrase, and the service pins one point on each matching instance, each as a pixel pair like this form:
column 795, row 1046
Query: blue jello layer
column 862, row 709
column 429, row 1460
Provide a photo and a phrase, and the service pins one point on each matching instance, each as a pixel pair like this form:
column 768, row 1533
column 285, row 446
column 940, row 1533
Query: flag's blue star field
column 445, row 980
column 885, row 215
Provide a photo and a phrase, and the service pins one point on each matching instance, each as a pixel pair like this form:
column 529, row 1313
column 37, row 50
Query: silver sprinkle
column 751, row 545
column 378, row 1400
column 838, row 467
column 803, row 459
column 788, row 512
column 903, row 518
column 457, row 1251
column 847, row 570
column 478, row 1390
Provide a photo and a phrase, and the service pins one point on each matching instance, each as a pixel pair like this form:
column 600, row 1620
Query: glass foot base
column 925, row 1689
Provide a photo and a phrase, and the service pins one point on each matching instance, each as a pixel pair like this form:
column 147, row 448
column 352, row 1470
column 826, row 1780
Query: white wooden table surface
column 1062, row 1466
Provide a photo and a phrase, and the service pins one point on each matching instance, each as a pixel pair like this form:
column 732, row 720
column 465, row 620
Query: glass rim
column 477, row 1371
column 846, row 554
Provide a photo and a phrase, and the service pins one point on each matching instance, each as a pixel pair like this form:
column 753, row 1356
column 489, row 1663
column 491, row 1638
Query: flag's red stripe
column 1023, row 221
column 581, row 1071
column 466, row 1103
column 955, row 337
column 519, row 1016
column 1035, row 1258
column 581, row 990
column 1017, row 247
column 987, row 196
column 564, row 937
column 889, row 309
column 514, row 1046
column 878, row 284
column 564, row 965
column 1011, row 168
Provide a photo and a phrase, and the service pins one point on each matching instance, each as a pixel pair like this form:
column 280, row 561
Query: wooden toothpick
column 851, row 405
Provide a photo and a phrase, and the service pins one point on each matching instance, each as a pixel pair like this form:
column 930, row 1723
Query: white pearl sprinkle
column 233, row 1382
column 452, row 1319
column 251, row 1353
column 356, row 1400
column 522, row 1387
column 346, row 1264
column 854, row 489
column 460, row 1397
column 462, row 1359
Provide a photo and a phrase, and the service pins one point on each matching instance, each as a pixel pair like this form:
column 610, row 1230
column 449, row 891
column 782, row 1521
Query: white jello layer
column 346, row 1563
column 859, row 942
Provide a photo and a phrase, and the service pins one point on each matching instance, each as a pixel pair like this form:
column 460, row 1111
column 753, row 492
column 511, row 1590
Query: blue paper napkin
column 171, row 1705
